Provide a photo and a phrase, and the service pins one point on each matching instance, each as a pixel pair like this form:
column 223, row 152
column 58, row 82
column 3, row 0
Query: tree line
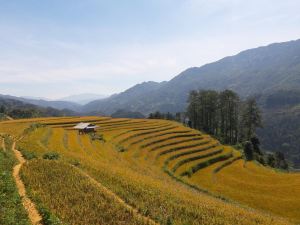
column 231, row 120
column 223, row 115
column 165, row 116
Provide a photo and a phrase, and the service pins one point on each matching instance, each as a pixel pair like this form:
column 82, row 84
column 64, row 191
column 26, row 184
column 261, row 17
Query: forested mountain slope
column 271, row 73
column 261, row 70
column 18, row 109
column 45, row 103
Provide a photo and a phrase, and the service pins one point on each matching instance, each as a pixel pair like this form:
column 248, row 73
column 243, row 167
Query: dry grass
column 142, row 183
column 72, row 197
column 255, row 186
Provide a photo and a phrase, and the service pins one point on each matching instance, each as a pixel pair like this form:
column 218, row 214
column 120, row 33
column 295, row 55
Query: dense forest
column 281, row 120
column 233, row 121
column 224, row 115
column 17, row 109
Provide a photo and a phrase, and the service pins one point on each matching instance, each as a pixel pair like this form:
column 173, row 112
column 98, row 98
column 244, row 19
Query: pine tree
column 192, row 109
column 248, row 151
column 229, row 116
column 251, row 119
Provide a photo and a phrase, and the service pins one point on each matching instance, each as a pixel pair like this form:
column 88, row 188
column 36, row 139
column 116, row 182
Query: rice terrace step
column 201, row 170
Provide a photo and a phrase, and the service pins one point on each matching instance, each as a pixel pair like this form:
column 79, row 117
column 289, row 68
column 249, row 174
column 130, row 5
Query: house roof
column 80, row 126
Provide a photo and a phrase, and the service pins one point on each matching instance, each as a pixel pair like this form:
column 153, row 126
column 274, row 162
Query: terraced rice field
column 168, row 173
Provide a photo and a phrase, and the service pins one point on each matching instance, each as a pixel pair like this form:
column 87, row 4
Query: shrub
column 238, row 146
column 51, row 156
column 33, row 127
column 28, row 155
column 169, row 221
column 97, row 137
column 260, row 158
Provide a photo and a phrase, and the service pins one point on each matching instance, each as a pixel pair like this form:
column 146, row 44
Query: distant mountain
column 271, row 73
column 36, row 98
column 261, row 70
column 82, row 98
column 44, row 103
column 55, row 104
column 127, row 100
column 19, row 109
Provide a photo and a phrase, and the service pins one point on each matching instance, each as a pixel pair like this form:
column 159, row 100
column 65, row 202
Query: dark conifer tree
column 248, row 151
column 251, row 119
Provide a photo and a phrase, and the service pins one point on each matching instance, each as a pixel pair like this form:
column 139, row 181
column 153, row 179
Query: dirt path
column 135, row 212
column 29, row 206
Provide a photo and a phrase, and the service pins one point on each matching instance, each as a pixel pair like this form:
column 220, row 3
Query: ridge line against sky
column 63, row 47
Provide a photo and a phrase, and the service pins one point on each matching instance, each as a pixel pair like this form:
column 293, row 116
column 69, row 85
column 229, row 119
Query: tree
column 270, row 160
column 248, row 151
column 192, row 108
column 251, row 119
column 178, row 117
column 215, row 113
column 220, row 114
column 169, row 116
column 280, row 161
column 255, row 143
column 2, row 109
column 229, row 116
column 151, row 116
column 207, row 111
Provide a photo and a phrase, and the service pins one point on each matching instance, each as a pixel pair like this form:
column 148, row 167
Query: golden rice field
column 169, row 173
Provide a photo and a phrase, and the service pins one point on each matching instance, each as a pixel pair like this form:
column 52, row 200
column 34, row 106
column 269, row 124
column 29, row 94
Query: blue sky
column 55, row 48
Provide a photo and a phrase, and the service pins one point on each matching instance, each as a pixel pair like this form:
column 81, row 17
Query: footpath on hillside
column 29, row 206
column 135, row 212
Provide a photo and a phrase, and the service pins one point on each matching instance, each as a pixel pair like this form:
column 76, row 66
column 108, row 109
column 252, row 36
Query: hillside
column 131, row 99
column 18, row 109
column 82, row 98
column 270, row 73
column 130, row 165
column 261, row 70
column 127, row 114
column 61, row 105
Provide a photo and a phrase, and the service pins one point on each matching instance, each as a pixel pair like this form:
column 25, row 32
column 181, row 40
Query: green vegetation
column 28, row 155
column 281, row 132
column 252, row 151
column 51, row 156
column 18, row 109
column 97, row 137
column 232, row 121
column 223, row 115
column 11, row 208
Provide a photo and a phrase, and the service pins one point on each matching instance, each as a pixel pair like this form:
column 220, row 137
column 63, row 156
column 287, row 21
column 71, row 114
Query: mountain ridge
column 270, row 73
column 82, row 99
column 252, row 67
column 61, row 105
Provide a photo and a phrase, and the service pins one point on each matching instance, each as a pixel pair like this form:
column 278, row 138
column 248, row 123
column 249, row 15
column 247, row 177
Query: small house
column 84, row 128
